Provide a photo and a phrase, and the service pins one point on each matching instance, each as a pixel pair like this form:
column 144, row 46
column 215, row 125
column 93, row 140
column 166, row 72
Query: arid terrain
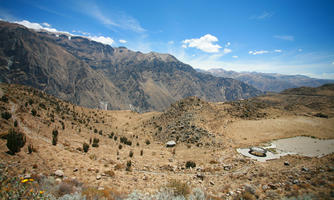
column 205, row 133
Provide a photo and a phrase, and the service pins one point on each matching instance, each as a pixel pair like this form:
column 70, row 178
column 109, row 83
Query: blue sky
column 277, row 36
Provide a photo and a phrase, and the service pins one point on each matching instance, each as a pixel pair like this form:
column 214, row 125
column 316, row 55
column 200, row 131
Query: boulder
column 171, row 143
column 59, row 173
column 258, row 151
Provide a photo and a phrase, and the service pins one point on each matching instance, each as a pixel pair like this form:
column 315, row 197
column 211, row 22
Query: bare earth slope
column 206, row 133
column 88, row 73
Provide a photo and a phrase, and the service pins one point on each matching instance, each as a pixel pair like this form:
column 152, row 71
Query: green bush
column 141, row 152
column 85, row 147
column 15, row 141
column 128, row 165
column 131, row 154
column 95, row 142
column 147, row 142
column 54, row 137
column 4, row 99
column 33, row 112
column 191, row 164
column 15, row 123
column 100, row 132
column 6, row 115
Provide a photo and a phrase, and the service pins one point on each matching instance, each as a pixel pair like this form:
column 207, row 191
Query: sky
column 272, row 36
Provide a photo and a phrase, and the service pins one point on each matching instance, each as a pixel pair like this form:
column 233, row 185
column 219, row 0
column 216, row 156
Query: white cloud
column 278, row 50
column 46, row 24
column 235, row 56
column 227, row 44
column 113, row 20
column 332, row 63
column 102, row 39
column 227, row 50
column 264, row 15
column 204, row 43
column 122, row 41
column 285, row 37
column 39, row 27
column 258, row 52
column 300, row 50
column 171, row 42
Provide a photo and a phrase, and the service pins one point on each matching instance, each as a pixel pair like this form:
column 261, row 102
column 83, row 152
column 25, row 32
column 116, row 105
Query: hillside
column 206, row 133
column 91, row 74
column 269, row 81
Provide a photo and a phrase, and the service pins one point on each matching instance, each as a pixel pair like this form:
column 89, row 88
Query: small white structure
column 171, row 143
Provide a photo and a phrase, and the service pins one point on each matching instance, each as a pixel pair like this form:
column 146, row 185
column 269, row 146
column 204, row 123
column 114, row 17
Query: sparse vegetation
column 147, row 142
column 191, row 164
column 6, row 115
column 131, row 154
column 4, row 98
column 179, row 188
column 33, row 112
column 128, row 165
column 95, row 142
column 15, row 141
column 85, row 147
column 54, row 137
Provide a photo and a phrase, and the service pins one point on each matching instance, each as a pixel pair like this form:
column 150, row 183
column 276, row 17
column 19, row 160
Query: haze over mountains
column 269, row 81
column 89, row 73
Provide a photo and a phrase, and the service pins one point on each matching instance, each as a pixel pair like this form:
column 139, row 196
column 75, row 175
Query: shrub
column 42, row 105
column 95, row 130
column 33, row 112
column 179, row 188
column 85, row 147
column 15, row 123
column 128, row 165
column 137, row 144
column 115, row 138
column 141, row 152
column 131, row 154
column 191, row 164
column 147, row 142
column 54, row 137
column 6, row 115
column 31, row 149
column 30, row 101
column 15, row 141
column 100, row 132
column 95, row 142
column 120, row 146
column 4, row 99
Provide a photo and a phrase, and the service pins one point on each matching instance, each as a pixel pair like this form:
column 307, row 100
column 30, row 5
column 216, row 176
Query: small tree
column 191, row 164
column 54, row 137
column 15, row 141
column 131, row 154
column 85, row 147
column 95, row 142
column 33, row 112
column 6, row 115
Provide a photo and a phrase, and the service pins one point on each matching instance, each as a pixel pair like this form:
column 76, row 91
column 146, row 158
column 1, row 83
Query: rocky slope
column 269, row 81
column 88, row 73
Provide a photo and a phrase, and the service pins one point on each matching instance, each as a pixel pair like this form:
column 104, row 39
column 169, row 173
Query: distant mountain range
column 92, row 74
column 268, row 81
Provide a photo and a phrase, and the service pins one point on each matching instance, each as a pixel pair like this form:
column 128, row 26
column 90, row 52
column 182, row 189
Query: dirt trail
column 22, row 125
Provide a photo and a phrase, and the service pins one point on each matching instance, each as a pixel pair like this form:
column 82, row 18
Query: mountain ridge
column 87, row 73
column 271, row 82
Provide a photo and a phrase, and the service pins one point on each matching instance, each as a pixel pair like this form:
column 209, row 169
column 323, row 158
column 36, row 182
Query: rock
column 212, row 183
column 75, row 169
column 258, row 151
column 171, row 143
column 59, row 173
column 170, row 160
column 250, row 188
column 305, row 169
column 286, row 163
column 265, row 187
column 98, row 177
column 200, row 176
column 145, row 178
column 227, row 167
column 27, row 176
column 295, row 181
column 272, row 186
column 58, row 180
column 100, row 188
